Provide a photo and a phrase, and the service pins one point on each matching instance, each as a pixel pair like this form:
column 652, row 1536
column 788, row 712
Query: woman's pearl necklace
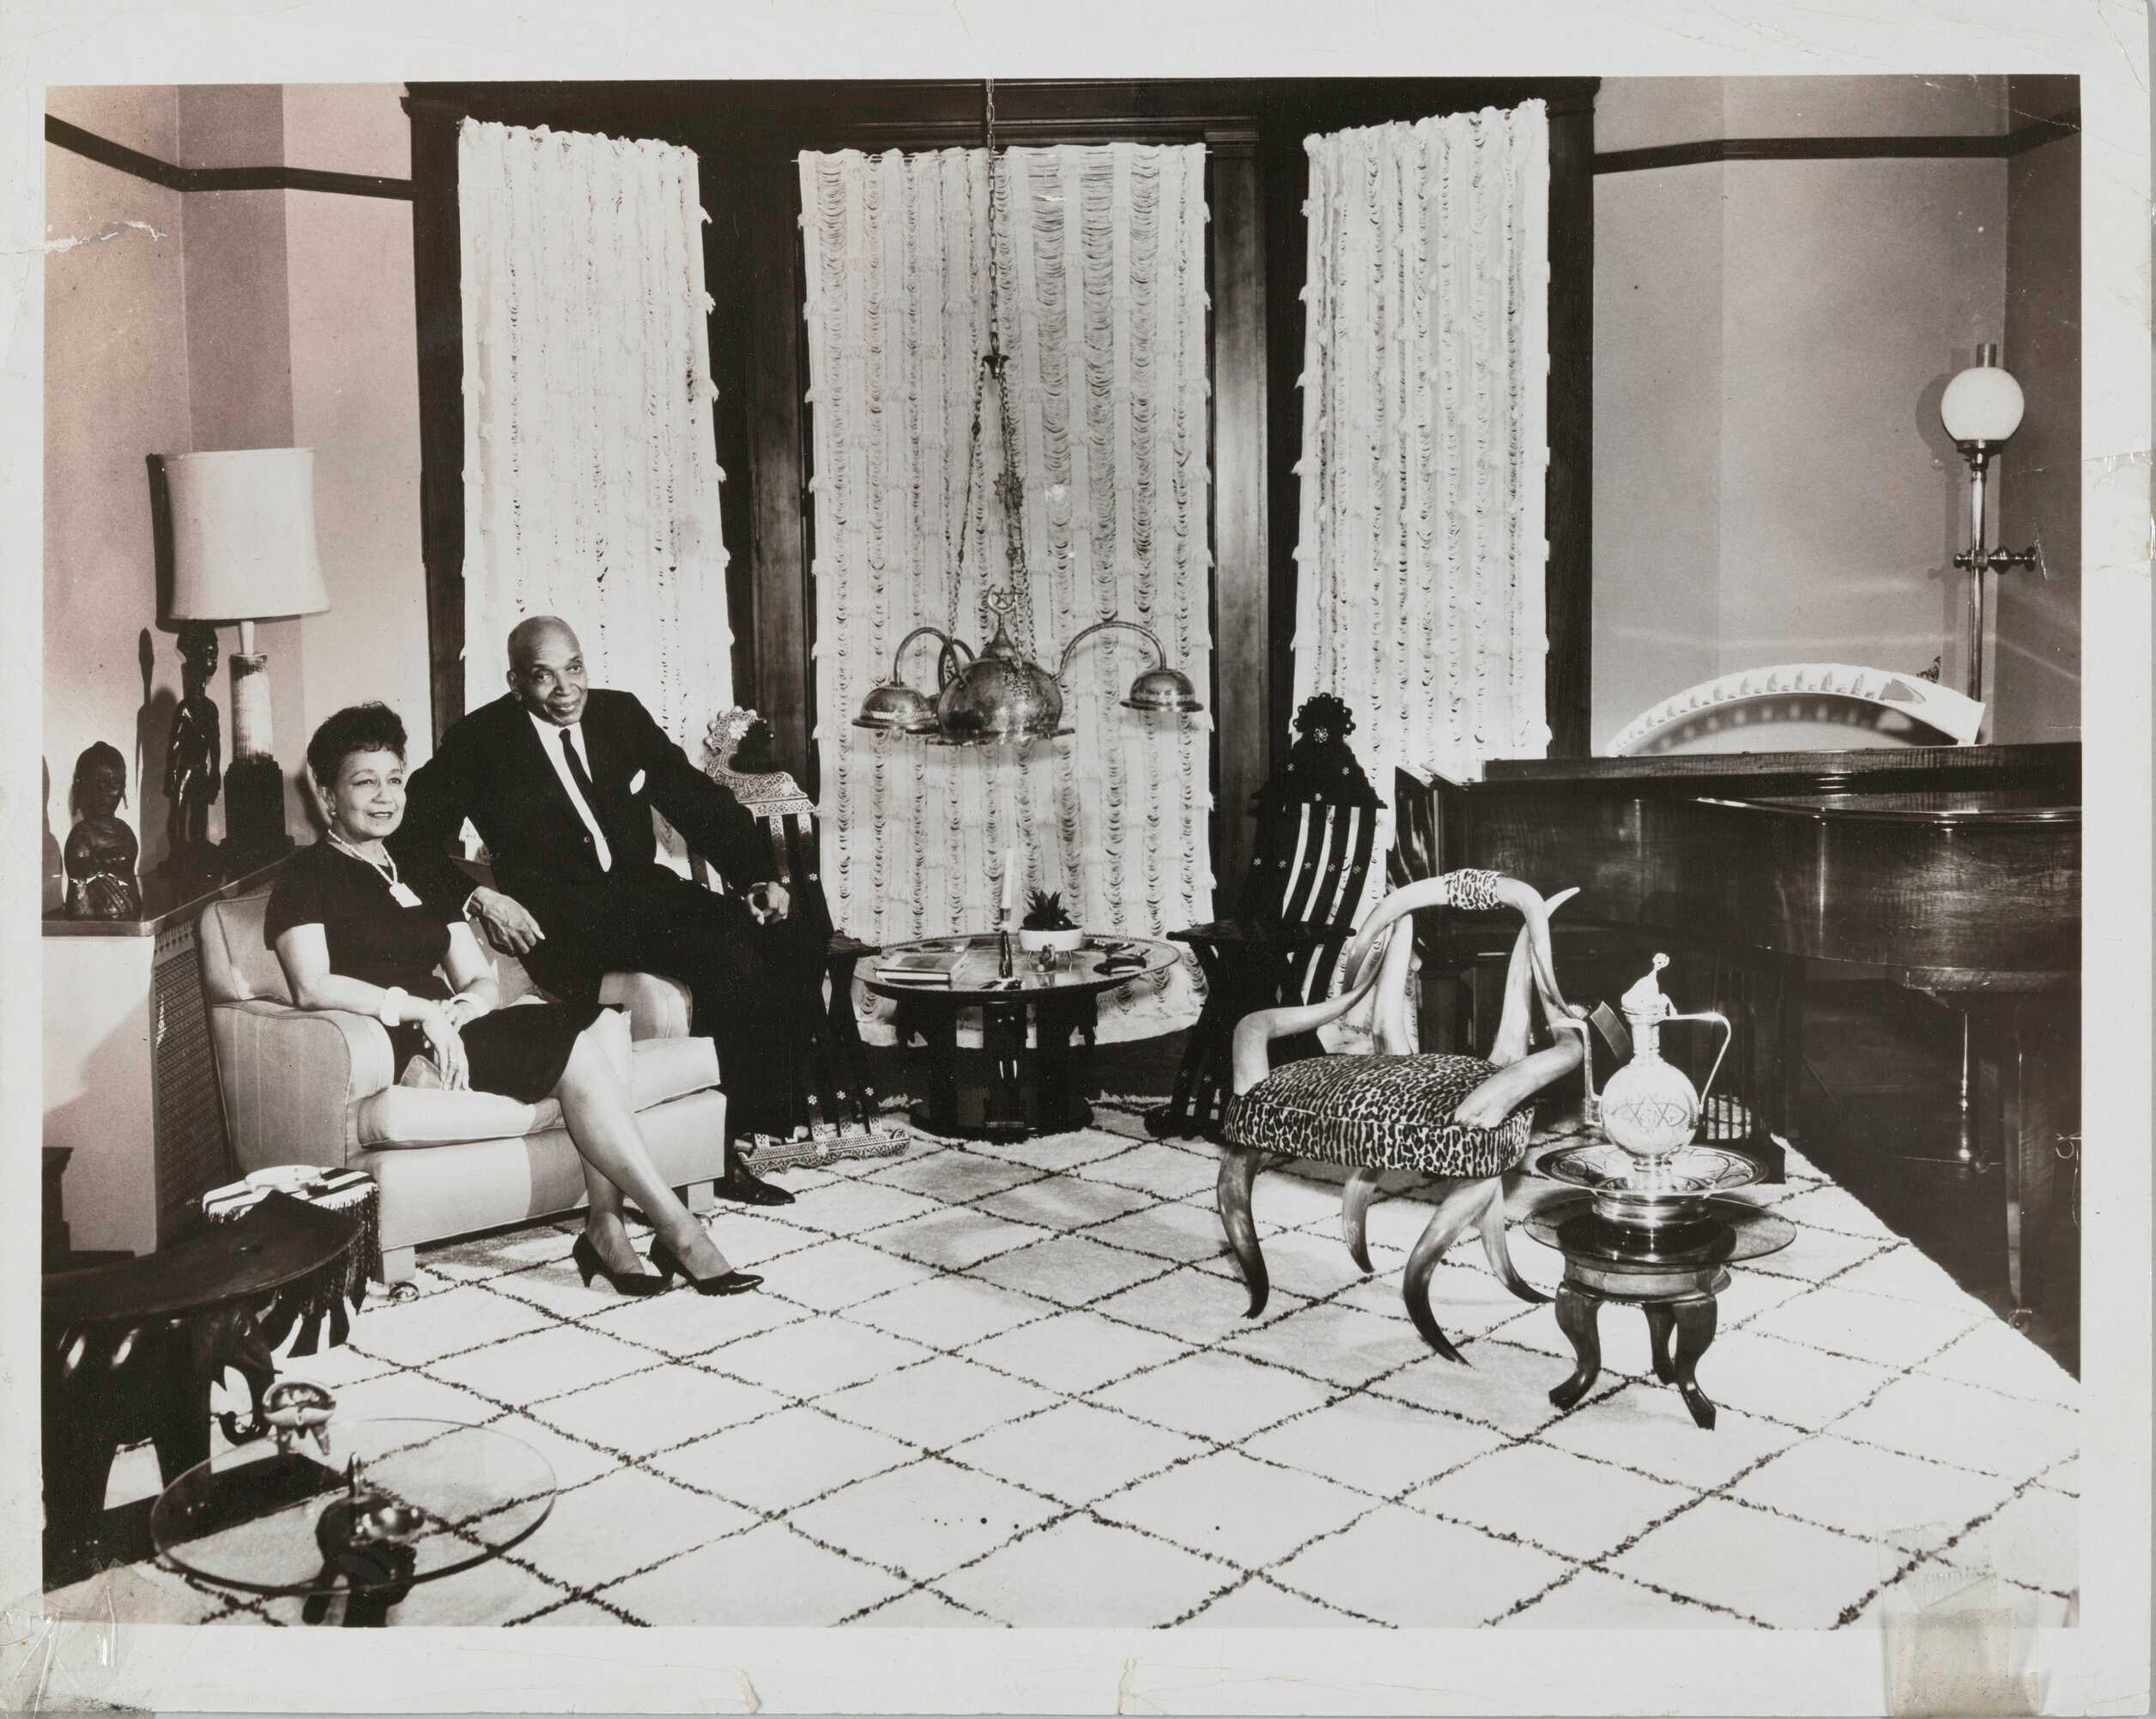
column 386, row 867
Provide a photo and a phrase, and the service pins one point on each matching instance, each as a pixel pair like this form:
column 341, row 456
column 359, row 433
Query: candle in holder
column 1010, row 884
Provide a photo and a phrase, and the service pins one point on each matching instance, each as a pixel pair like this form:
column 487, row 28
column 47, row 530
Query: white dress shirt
column 550, row 738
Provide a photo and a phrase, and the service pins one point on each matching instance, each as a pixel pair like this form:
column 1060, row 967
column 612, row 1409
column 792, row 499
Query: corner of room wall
column 115, row 392
column 225, row 319
column 355, row 377
column 238, row 344
column 1772, row 482
column 2036, row 680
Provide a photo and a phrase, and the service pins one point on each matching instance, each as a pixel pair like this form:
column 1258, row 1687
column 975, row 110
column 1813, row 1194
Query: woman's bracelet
column 390, row 1010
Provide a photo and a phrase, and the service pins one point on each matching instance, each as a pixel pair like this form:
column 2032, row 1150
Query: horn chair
column 1464, row 1120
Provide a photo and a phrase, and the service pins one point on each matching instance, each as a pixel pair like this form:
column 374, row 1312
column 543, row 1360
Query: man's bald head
column 546, row 670
column 528, row 632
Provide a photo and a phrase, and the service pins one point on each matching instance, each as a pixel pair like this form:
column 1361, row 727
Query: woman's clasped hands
column 448, row 1045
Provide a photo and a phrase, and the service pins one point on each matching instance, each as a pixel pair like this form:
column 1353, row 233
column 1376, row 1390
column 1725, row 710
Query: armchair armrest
column 290, row 1077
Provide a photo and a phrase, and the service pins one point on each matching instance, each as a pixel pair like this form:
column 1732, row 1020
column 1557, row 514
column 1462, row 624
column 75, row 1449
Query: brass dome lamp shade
column 1001, row 696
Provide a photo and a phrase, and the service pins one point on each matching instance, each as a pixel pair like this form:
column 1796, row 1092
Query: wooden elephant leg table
column 132, row 1349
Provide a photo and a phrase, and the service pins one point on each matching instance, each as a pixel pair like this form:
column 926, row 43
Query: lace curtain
column 1102, row 288
column 591, row 479
column 1424, row 438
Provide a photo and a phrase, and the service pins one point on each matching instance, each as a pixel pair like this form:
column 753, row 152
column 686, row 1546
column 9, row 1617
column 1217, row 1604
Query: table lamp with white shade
column 243, row 550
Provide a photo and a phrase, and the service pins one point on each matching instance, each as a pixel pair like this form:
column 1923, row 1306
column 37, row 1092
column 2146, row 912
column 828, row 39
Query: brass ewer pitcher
column 1648, row 1107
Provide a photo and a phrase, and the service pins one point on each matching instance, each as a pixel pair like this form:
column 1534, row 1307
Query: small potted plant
column 1047, row 925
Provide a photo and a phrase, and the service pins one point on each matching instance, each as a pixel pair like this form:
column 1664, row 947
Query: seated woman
column 352, row 934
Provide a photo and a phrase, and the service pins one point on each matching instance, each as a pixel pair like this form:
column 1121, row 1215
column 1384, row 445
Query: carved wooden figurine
column 101, row 850
column 194, row 757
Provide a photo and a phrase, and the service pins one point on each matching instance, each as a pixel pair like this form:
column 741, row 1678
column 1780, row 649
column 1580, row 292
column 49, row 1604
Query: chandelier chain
column 1009, row 485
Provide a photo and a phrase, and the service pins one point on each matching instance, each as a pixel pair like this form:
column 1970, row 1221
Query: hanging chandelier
column 1001, row 696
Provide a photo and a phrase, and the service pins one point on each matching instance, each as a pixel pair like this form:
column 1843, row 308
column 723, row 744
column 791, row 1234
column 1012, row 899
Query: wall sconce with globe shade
column 1981, row 408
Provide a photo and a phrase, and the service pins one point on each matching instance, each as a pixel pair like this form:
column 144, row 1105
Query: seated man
column 560, row 778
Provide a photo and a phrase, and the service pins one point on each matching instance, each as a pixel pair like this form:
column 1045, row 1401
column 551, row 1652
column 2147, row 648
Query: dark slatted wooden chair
column 738, row 755
column 1316, row 830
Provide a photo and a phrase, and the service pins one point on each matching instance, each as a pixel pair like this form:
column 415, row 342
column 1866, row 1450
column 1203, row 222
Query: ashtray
column 286, row 1178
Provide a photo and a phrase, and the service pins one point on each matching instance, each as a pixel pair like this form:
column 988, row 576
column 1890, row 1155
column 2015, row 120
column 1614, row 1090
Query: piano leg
column 1755, row 1005
column 1781, row 1085
column 2023, row 1057
column 2013, row 1157
column 1969, row 1147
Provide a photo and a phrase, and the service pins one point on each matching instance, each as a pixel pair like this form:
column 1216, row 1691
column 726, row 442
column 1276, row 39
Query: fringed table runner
column 350, row 1193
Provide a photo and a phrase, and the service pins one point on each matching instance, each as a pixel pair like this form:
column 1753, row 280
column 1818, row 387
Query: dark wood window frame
column 747, row 136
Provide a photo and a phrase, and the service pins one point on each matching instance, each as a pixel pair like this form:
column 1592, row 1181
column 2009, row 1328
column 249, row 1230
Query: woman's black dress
column 519, row 1052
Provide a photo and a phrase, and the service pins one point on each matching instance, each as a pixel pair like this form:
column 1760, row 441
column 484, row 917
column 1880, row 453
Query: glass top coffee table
column 370, row 1507
column 1023, row 1084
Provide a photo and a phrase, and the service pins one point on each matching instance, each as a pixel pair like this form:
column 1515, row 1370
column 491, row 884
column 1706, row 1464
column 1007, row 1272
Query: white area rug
column 1014, row 1384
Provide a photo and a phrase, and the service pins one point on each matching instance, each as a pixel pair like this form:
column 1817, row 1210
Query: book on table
column 921, row 967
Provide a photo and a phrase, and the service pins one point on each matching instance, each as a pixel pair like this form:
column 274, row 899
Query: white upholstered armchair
column 315, row 1086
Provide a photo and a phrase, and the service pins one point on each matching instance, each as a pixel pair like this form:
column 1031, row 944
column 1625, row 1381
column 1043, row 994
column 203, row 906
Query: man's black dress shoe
column 741, row 1185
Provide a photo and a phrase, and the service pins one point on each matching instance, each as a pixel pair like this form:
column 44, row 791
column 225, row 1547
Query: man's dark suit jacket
column 493, row 768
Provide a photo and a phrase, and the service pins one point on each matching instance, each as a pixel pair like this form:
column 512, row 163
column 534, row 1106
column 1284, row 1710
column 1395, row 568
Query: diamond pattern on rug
column 782, row 1460
column 924, row 1519
column 1077, row 1453
column 1111, row 1577
column 1231, row 1507
column 1401, row 1567
column 1788, row 1575
column 1012, row 1383
column 770, row 1575
column 1551, row 1499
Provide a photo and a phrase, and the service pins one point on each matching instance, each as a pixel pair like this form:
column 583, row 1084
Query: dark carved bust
column 102, row 851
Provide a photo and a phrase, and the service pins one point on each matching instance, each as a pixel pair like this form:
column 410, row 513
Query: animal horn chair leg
column 1498, row 1253
column 1354, row 1208
column 1239, row 1165
column 1456, row 1211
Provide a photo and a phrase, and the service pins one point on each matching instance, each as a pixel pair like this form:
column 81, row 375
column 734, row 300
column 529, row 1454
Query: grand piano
column 1951, row 870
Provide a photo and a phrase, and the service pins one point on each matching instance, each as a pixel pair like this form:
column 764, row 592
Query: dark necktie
column 582, row 779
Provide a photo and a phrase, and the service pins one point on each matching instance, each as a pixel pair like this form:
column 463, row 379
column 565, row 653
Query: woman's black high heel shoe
column 589, row 1265
column 666, row 1265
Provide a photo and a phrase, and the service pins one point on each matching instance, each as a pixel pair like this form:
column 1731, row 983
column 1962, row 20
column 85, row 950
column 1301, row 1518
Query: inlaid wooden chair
column 1316, row 827
column 1464, row 1120
column 738, row 755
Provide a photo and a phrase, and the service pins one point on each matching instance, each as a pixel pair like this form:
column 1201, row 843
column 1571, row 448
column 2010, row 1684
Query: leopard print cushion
column 1392, row 1112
